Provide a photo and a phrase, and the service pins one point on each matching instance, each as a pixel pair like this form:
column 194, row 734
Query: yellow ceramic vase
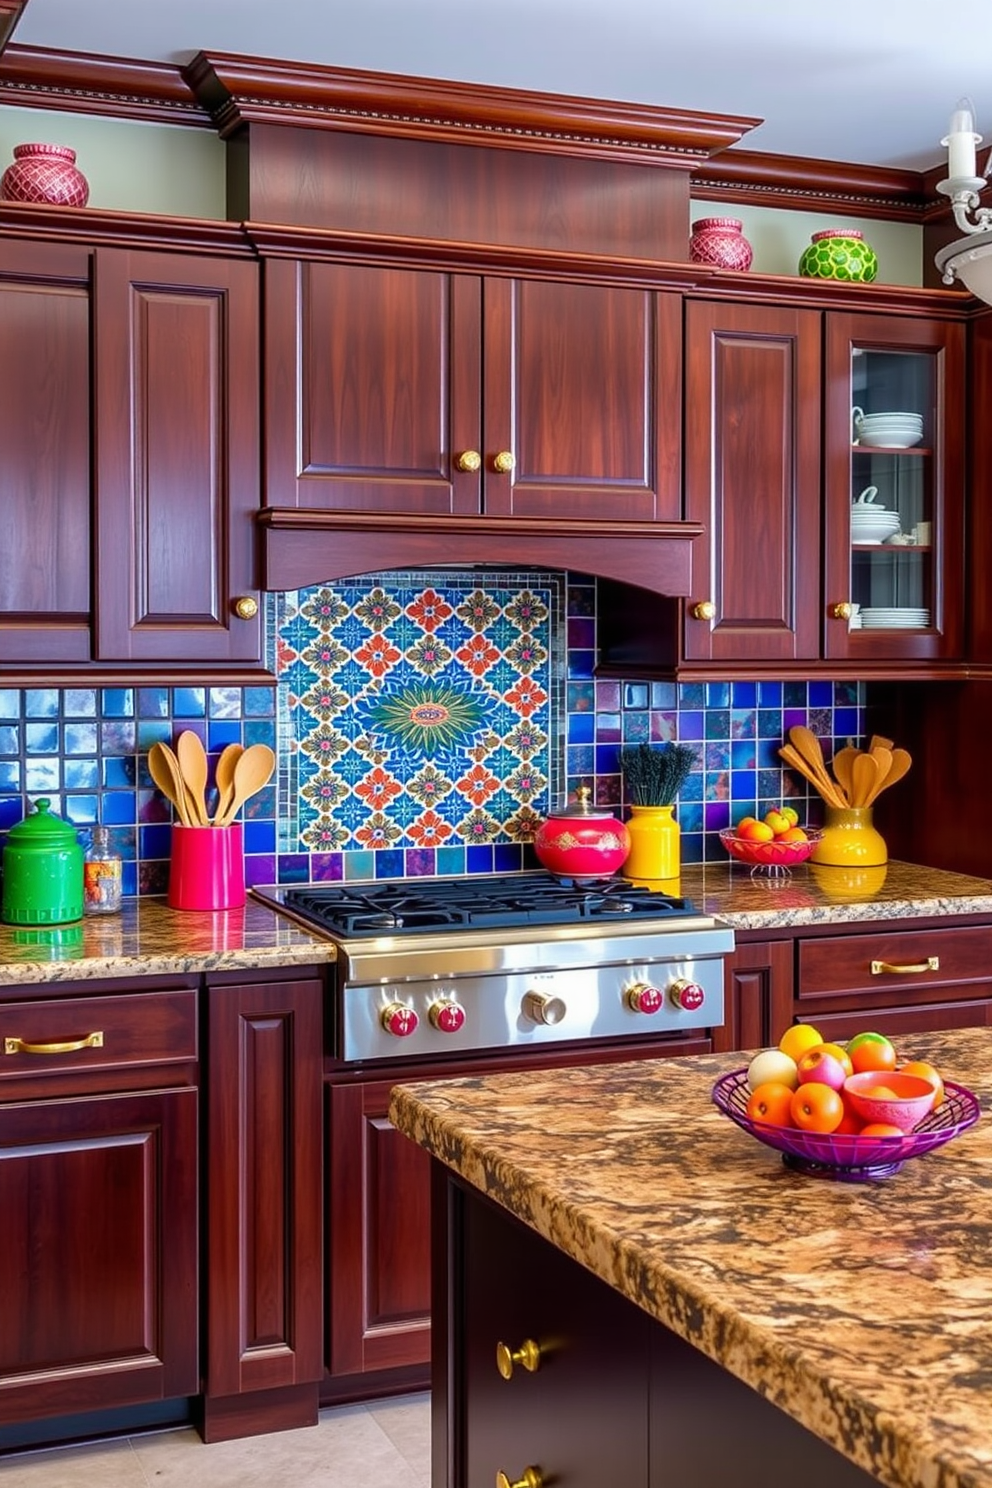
column 655, row 850
column 850, row 840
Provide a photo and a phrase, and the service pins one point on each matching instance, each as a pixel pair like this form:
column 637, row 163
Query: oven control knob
column 399, row 1020
column 687, row 996
column 447, row 1016
column 644, row 998
column 540, row 1007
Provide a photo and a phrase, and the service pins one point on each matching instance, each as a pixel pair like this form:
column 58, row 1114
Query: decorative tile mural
column 423, row 722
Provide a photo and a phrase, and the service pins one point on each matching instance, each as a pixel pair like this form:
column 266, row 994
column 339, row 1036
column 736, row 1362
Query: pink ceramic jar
column 582, row 841
column 720, row 241
column 45, row 173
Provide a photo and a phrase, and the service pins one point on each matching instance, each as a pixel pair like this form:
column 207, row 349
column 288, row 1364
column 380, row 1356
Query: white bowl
column 888, row 437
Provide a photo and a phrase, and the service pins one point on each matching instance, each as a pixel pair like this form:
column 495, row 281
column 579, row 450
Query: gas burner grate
column 476, row 903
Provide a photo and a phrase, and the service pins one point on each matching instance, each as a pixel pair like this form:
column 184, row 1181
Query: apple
column 791, row 813
column 773, row 1067
column 819, row 1065
column 777, row 822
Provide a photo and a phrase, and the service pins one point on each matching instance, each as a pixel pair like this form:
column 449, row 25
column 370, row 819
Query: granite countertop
column 863, row 1310
column 148, row 938
column 815, row 895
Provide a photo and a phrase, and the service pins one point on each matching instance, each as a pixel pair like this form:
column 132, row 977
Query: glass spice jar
column 102, row 875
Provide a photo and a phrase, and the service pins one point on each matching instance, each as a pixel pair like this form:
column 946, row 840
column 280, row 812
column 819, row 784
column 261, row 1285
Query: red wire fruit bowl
column 774, row 854
column 848, row 1159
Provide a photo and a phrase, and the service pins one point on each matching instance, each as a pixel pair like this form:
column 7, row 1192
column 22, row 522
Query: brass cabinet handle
column 915, row 968
column 704, row 610
column 503, row 462
column 528, row 1356
column 532, row 1478
column 21, row 1046
column 842, row 611
column 246, row 608
column 469, row 460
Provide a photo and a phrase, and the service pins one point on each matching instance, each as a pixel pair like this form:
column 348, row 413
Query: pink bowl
column 770, row 854
column 914, row 1098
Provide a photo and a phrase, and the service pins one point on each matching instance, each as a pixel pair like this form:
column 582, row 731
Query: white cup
column 923, row 532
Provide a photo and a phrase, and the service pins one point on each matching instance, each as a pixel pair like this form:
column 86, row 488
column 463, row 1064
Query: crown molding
column 81, row 83
column 10, row 14
column 795, row 184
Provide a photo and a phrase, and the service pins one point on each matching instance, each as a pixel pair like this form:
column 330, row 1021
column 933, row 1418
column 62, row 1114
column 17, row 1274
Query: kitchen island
column 858, row 1315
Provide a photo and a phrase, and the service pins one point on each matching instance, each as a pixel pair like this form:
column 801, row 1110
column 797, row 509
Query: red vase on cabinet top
column 45, row 173
column 720, row 241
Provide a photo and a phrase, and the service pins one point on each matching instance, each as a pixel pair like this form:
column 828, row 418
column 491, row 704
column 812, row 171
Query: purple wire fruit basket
column 844, row 1158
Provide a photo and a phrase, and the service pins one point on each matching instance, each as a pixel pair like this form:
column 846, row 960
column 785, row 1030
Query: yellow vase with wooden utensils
column 850, row 837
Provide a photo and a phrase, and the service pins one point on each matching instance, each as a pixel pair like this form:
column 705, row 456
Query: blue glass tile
column 118, row 738
column 79, row 702
column 580, row 760
column 607, row 727
column 79, row 738
column 10, row 741
column 153, row 702
column 794, row 695
column 11, row 811
column 10, row 703
column 10, row 775
column 743, row 723
column 690, row 725
column 664, row 695
column 150, row 731
column 120, row 770
column 224, row 702
column 450, row 861
column 607, row 696
column 117, row 702
column 41, row 738
column 770, row 724
column 717, row 723
column 41, row 774
column 717, row 755
column 692, row 695
column 292, row 868
column 581, row 598
column 581, row 664
column 41, row 702
column 793, row 716
column 581, row 633
column 580, row 697
column 119, row 807
column 692, row 786
column 260, row 836
column 821, row 694
column 221, row 733
column 259, row 731
column 717, row 695
column 742, row 754
column 770, row 694
column 636, row 695
column 849, row 694
column 418, row 862
column 636, row 728
column 607, row 759
column 153, row 878
column 692, row 847
column 259, row 702
column 744, row 695
column 664, row 727
column 155, row 841
column 743, row 785
column 81, row 774
column 82, row 810
column 479, row 859
column 359, row 865
column 690, row 816
column 129, row 879
column 716, row 815
column 847, row 724
column 507, row 857
column 189, row 702
column 581, row 728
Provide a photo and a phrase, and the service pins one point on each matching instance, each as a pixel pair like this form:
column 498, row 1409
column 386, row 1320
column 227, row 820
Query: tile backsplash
column 423, row 723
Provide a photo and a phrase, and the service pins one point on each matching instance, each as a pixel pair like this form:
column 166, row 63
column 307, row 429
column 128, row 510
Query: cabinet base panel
column 349, row 1388
column 228, row 1417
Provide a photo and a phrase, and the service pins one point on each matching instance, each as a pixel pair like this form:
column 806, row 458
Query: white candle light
column 961, row 141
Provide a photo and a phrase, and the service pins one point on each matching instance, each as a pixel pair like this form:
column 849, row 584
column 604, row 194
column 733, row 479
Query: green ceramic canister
column 42, row 870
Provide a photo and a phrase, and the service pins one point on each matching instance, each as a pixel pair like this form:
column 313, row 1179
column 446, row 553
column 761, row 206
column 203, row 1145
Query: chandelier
column 969, row 259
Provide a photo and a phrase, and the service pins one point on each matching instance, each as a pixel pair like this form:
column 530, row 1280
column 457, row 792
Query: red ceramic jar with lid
column 42, row 870
column 582, row 840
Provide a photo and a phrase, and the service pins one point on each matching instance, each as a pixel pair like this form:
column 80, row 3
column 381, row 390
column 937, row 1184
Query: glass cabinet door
column 894, row 501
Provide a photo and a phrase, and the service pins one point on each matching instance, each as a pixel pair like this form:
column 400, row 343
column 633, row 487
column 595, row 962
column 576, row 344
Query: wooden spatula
column 251, row 772
column 224, row 778
column 843, row 764
column 901, row 761
column 164, row 770
column 864, row 775
column 193, row 764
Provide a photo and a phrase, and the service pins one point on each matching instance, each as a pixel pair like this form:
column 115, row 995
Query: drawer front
column 894, row 960
column 97, row 1033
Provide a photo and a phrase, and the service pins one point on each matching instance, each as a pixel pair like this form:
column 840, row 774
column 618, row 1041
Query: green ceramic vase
column 839, row 253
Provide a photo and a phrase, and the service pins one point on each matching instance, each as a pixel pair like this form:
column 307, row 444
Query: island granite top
column 863, row 1310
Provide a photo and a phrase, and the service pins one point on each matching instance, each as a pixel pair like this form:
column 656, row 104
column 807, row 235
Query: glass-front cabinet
column 893, row 534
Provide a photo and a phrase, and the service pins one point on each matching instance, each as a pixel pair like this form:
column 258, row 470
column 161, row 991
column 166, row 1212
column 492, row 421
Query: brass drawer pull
column 915, row 968
column 528, row 1356
column 20, row 1046
column 532, row 1478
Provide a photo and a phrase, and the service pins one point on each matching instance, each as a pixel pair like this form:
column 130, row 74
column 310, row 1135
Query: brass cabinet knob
column 704, row 610
column 469, row 460
column 246, row 608
column 532, row 1478
column 842, row 611
column 504, row 462
column 528, row 1356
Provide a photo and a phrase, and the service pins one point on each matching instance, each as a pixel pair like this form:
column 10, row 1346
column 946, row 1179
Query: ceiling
column 870, row 84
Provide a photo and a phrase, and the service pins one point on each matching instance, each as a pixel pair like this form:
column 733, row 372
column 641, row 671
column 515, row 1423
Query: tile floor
column 381, row 1444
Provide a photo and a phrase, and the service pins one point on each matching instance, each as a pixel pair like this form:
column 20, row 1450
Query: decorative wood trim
column 83, row 83
column 98, row 227
column 10, row 14
column 239, row 90
column 795, row 184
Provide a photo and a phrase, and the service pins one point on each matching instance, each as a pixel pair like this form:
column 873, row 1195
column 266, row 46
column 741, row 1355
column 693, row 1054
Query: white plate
column 891, row 439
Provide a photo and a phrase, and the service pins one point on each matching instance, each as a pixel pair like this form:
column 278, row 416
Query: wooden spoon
column 193, row 764
column 164, row 770
column 826, row 787
column 805, row 742
column 252, row 771
column 901, row 761
column 842, row 764
column 865, row 778
column 224, row 778
column 883, row 756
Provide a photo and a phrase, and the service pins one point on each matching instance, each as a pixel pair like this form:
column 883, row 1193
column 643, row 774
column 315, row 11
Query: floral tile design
column 419, row 712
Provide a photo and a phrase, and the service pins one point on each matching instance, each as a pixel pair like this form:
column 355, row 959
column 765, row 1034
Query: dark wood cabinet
column 758, row 995
column 99, row 1195
column 263, row 1252
column 405, row 390
column 45, row 495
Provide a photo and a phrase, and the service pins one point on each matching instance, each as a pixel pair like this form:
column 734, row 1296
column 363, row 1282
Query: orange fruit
column 817, row 1108
column 872, row 1052
column 926, row 1072
column 881, row 1129
column 771, row 1103
column 850, row 1125
column 794, row 834
column 798, row 1038
column 755, row 831
column 745, row 821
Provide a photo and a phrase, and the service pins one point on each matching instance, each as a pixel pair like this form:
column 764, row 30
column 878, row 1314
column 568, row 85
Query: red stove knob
column 644, row 998
column 399, row 1020
column 446, row 1015
column 687, row 996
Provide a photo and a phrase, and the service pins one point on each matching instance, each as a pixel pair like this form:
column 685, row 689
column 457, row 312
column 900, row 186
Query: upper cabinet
column 401, row 390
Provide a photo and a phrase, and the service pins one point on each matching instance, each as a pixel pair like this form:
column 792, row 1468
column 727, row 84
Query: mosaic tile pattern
column 388, row 765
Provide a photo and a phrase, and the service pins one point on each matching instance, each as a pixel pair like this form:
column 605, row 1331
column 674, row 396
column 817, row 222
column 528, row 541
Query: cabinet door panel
column 752, row 432
column 379, row 1229
column 98, row 1287
column 582, row 387
column 372, row 384
column 177, row 451
column 45, row 438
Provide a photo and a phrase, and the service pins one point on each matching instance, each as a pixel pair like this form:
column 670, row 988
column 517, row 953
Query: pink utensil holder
column 208, row 868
